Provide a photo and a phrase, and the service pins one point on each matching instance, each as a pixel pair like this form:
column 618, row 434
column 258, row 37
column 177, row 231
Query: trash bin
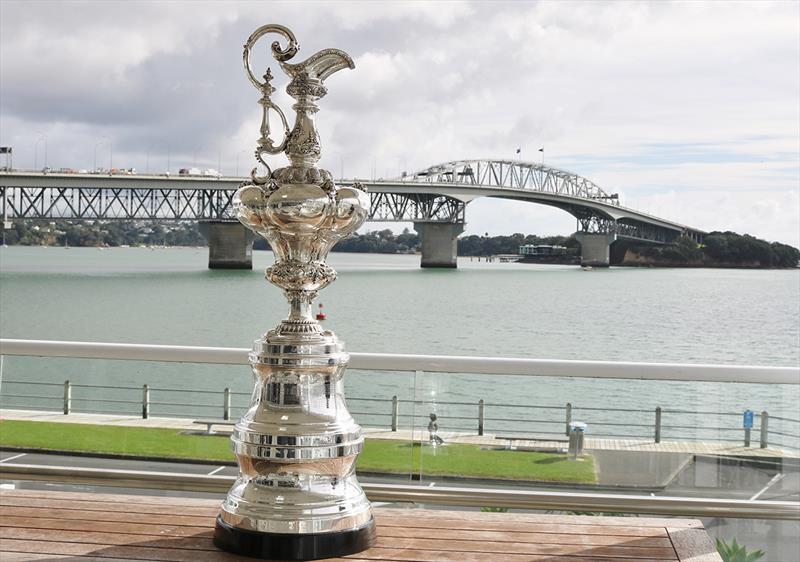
column 576, row 432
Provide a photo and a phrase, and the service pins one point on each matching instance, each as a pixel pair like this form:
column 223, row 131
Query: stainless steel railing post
column 226, row 404
column 395, row 412
column 764, row 422
column 568, row 416
column 67, row 398
column 658, row 425
column 145, row 402
column 481, row 416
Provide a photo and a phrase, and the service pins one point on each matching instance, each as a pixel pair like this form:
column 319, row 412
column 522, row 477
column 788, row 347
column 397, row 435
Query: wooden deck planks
column 65, row 526
column 633, row 548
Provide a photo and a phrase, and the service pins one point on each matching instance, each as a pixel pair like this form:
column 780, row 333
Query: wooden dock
column 65, row 526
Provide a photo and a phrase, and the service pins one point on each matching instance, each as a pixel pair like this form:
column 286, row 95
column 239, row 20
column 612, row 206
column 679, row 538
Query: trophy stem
column 300, row 308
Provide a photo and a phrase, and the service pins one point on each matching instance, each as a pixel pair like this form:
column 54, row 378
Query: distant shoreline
column 560, row 260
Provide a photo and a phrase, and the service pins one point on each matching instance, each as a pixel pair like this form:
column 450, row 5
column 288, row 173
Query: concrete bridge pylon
column 596, row 248
column 230, row 245
column 439, row 243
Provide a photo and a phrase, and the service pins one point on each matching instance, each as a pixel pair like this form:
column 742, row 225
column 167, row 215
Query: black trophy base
column 281, row 546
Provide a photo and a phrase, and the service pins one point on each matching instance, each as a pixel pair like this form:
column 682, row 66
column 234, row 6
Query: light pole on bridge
column 374, row 166
column 147, row 156
column 341, row 164
column 94, row 155
column 42, row 137
column 219, row 158
column 238, row 154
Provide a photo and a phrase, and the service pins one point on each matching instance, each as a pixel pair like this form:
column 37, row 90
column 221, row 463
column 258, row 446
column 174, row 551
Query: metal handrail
column 428, row 363
column 439, row 364
column 444, row 495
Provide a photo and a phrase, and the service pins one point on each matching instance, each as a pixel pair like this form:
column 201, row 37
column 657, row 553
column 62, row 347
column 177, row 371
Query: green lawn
column 386, row 455
column 379, row 455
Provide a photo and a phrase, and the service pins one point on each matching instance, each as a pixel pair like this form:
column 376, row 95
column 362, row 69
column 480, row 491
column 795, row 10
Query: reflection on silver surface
column 297, row 444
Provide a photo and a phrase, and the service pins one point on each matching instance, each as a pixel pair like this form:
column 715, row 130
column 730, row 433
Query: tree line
column 723, row 249
column 492, row 245
column 104, row 233
column 718, row 248
column 375, row 242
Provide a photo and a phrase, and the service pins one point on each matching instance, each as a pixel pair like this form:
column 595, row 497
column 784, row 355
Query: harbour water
column 386, row 303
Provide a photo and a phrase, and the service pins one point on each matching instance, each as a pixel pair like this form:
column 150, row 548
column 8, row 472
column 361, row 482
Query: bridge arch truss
column 513, row 175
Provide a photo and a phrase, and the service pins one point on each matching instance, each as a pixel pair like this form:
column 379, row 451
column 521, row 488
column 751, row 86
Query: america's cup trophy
column 297, row 496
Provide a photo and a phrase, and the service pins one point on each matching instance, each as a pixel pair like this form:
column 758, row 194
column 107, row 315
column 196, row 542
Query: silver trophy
column 297, row 496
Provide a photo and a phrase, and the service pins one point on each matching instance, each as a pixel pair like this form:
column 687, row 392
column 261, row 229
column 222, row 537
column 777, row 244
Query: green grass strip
column 379, row 455
column 472, row 461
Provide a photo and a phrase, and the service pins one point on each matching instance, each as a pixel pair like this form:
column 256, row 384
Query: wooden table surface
column 47, row 525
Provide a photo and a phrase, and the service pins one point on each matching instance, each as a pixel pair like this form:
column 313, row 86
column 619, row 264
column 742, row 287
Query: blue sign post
column 747, row 423
column 747, row 419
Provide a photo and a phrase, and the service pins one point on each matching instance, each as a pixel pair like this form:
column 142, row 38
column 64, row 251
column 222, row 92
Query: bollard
column 395, row 412
column 481, row 416
column 67, row 398
column 658, row 424
column 226, row 404
column 568, row 416
column 577, row 431
column 764, row 429
column 145, row 402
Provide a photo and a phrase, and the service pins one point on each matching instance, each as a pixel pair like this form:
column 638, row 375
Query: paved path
column 591, row 443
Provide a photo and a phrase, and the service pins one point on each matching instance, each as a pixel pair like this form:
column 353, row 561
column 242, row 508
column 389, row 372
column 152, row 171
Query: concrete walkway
column 488, row 440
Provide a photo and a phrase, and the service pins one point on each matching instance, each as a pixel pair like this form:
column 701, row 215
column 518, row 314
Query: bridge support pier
column 439, row 243
column 595, row 248
column 230, row 245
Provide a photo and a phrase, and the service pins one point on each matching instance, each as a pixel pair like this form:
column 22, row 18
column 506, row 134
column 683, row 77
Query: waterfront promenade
column 487, row 440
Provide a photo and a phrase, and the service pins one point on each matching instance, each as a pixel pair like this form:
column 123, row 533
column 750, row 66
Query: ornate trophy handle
column 281, row 55
column 301, row 144
column 265, row 144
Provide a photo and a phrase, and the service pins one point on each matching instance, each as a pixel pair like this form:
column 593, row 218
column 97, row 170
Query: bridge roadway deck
column 461, row 191
column 590, row 443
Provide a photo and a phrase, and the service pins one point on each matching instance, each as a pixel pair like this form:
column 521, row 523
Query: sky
column 688, row 110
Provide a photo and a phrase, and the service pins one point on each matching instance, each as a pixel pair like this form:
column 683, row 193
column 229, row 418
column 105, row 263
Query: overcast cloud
column 689, row 110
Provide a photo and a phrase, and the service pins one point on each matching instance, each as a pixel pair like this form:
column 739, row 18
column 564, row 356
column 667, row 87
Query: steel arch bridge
column 452, row 185
column 436, row 195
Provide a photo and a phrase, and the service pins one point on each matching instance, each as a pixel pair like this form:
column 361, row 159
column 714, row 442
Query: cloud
column 665, row 102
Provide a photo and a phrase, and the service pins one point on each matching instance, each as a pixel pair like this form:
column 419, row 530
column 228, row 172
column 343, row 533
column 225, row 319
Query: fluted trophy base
column 282, row 546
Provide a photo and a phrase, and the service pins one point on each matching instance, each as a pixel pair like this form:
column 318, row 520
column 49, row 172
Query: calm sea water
column 386, row 303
